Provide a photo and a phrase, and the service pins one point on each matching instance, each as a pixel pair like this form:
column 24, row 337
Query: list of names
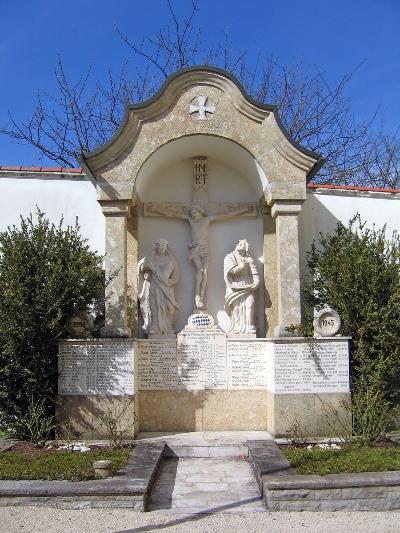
column 247, row 365
column 98, row 368
column 311, row 367
column 157, row 364
column 201, row 358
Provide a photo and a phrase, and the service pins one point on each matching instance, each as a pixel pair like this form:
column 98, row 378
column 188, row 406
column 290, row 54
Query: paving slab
column 206, row 485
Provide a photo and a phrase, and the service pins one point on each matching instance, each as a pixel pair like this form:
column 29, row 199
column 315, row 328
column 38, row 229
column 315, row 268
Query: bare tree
column 82, row 115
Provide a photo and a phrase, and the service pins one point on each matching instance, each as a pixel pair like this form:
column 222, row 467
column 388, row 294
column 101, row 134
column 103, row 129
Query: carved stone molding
column 116, row 208
column 285, row 208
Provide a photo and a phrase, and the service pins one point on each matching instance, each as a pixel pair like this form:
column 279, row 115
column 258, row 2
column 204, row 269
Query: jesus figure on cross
column 199, row 219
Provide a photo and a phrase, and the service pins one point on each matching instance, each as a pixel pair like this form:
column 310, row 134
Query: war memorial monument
column 201, row 189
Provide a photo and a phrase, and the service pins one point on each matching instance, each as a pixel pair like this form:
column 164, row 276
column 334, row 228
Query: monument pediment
column 202, row 101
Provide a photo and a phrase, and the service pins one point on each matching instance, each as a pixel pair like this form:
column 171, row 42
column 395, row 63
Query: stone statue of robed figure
column 158, row 274
column 242, row 279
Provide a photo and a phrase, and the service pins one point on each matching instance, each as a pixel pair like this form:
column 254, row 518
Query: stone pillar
column 132, row 250
column 288, row 271
column 116, row 213
column 270, row 272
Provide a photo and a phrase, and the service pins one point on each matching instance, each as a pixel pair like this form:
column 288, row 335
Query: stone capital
column 115, row 208
column 285, row 208
column 287, row 191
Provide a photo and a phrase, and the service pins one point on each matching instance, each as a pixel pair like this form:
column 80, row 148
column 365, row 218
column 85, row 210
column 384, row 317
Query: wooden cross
column 200, row 214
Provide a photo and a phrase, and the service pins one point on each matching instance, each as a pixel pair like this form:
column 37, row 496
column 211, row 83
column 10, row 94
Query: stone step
column 232, row 452
column 206, row 485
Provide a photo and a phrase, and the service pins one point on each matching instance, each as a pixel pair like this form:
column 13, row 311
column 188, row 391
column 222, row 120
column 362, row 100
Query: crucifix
column 200, row 214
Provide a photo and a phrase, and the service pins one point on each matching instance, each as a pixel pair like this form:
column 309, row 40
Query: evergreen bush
column 47, row 272
column 356, row 271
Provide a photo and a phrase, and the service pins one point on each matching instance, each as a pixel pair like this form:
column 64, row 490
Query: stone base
column 203, row 410
column 312, row 415
column 309, row 415
column 85, row 416
column 281, row 385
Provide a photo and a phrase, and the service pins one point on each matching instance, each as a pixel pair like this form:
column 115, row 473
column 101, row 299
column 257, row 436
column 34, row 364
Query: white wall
column 324, row 208
column 57, row 196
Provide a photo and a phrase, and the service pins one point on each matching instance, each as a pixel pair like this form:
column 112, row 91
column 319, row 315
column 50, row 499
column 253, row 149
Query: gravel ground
column 40, row 520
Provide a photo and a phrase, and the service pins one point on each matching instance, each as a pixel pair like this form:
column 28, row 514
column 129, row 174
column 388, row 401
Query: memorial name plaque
column 157, row 364
column 207, row 360
column 202, row 360
column 247, row 365
column 312, row 367
column 98, row 368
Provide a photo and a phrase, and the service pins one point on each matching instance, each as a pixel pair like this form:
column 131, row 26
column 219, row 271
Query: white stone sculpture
column 158, row 274
column 242, row 279
column 199, row 218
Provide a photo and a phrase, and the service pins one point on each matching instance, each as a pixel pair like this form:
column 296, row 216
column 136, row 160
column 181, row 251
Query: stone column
column 270, row 272
column 116, row 213
column 131, row 267
column 288, row 271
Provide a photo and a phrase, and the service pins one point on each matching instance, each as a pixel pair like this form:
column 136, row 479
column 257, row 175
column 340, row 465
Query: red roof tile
column 350, row 188
column 60, row 170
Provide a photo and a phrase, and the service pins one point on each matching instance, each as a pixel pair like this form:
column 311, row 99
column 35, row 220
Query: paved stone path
column 206, row 485
column 39, row 520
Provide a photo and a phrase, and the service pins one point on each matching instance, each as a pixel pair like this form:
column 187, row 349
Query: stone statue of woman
column 158, row 274
column 242, row 279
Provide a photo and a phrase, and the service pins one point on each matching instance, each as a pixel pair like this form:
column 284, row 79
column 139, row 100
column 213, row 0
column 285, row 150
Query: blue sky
column 335, row 35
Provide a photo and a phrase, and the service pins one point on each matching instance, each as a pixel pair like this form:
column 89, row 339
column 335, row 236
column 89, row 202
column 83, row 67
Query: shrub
column 356, row 271
column 47, row 272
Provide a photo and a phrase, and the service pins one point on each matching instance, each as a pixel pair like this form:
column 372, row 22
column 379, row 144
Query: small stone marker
column 80, row 325
column 103, row 469
column 327, row 323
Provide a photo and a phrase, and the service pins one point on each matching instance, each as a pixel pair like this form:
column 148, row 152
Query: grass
column 71, row 466
column 348, row 459
column 3, row 434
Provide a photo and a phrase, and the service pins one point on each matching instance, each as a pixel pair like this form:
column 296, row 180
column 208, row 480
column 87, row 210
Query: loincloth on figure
column 198, row 250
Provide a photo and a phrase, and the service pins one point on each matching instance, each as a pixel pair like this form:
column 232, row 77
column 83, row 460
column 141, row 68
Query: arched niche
column 233, row 176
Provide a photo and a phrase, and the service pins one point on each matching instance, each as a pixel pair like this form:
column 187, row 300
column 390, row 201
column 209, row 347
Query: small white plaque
column 200, row 321
column 327, row 323
column 80, row 325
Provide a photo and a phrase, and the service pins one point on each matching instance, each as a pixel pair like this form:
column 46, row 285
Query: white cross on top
column 201, row 108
